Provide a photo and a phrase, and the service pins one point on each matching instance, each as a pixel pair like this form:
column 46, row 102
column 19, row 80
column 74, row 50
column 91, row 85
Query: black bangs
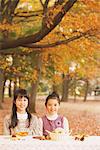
column 22, row 96
column 53, row 95
column 20, row 93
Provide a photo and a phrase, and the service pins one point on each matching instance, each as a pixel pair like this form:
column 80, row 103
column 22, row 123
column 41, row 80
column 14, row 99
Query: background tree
column 71, row 40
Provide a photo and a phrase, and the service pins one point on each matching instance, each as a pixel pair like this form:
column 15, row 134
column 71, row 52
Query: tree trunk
column 54, row 87
column 33, row 97
column 1, row 86
column 44, row 31
column 15, row 85
column 86, row 91
column 65, row 88
column 10, row 93
column 75, row 89
column 35, row 84
column 3, row 89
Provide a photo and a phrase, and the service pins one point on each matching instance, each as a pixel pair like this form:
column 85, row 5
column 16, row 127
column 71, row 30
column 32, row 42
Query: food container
column 58, row 136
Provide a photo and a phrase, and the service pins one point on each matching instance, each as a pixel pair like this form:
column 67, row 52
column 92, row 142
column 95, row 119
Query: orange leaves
column 10, row 27
column 94, row 5
column 5, row 27
column 93, row 21
column 81, row 18
column 30, row 75
column 52, row 12
column 3, row 64
column 34, row 75
column 57, row 78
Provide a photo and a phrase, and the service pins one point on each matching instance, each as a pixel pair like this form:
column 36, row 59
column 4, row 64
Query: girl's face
column 21, row 104
column 52, row 106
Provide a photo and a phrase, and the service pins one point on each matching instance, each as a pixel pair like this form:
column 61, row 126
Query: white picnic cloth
column 28, row 143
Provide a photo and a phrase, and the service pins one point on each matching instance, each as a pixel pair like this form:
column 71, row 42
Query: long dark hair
column 21, row 93
column 53, row 95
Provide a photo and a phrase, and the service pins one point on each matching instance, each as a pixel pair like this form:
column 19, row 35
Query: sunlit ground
column 83, row 117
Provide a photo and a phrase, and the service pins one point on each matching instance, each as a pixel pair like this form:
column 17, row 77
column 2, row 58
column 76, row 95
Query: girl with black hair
column 21, row 120
column 52, row 121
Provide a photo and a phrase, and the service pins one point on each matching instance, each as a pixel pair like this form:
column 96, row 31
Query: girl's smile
column 52, row 106
column 21, row 104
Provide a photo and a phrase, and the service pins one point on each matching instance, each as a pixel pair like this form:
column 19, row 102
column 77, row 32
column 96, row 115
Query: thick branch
column 58, row 42
column 42, row 33
column 41, row 47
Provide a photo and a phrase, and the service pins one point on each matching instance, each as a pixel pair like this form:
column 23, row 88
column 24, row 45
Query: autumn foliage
column 45, row 39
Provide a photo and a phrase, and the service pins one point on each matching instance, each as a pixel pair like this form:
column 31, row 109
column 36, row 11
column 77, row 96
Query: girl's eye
column 25, row 99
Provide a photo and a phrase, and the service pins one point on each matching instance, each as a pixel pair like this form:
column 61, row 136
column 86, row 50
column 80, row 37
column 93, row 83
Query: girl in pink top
column 52, row 120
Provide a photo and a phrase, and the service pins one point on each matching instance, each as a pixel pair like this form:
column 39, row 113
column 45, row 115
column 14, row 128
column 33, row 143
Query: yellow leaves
column 29, row 75
column 94, row 5
column 5, row 26
column 57, row 78
column 34, row 75
column 23, row 1
column 10, row 27
column 27, row 50
column 77, row 20
column 81, row 19
column 3, row 65
column 45, row 58
column 92, row 21
column 29, row 5
column 52, row 11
